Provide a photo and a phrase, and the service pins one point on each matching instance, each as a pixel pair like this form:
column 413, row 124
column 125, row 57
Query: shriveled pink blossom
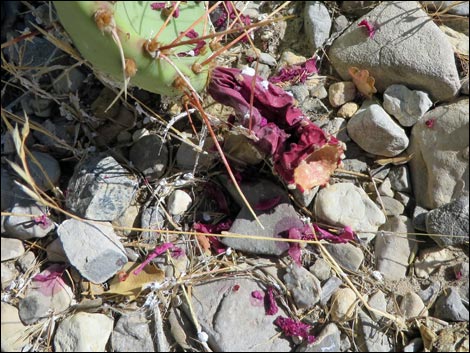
column 270, row 302
column 216, row 244
column 369, row 28
column 458, row 275
column 430, row 123
column 158, row 5
column 192, row 34
column 226, row 12
column 267, row 204
column 294, row 248
column 296, row 73
column 49, row 282
column 156, row 252
column 296, row 328
column 42, row 221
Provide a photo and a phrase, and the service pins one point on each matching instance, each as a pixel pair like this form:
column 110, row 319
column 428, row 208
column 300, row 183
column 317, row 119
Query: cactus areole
column 120, row 39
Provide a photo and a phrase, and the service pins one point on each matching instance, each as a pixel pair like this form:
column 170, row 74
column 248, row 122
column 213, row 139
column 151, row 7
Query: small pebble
column 341, row 92
column 178, row 202
column 343, row 303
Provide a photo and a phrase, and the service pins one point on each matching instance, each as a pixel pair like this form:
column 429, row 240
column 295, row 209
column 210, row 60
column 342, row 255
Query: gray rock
column 55, row 251
column 321, row 269
column 460, row 9
column 132, row 334
column 317, row 24
column 392, row 207
column 83, row 332
column 327, row 290
column 430, row 292
column 108, row 132
column 49, row 165
column 44, row 298
column 376, row 132
column 14, row 334
column 276, row 221
column 464, row 86
column 305, row 198
column 100, row 189
column 327, row 341
column 412, row 306
column 149, row 155
column 341, row 92
column 11, row 249
column 69, row 81
column 431, row 259
column 178, row 202
column 461, row 270
column 92, row 248
column 62, row 130
column 40, row 107
column 304, row 286
column 300, row 92
column 385, row 189
column 399, row 53
column 214, row 303
column 347, row 255
column 400, row 178
column 152, row 218
column 344, row 204
column 24, row 227
column 415, row 345
column 449, row 307
column 357, row 8
column 27, row 262
column 371, row 336
column 452, row 219
column 9, row 273
column 337, row 128
column 7, row 186
column 377, row 301
column 407, row 106
column 407, row 201
column 340, row 23
column 439, row 168
column 101, row 106
column 419, row 218
column 129, row 218
column 393, row 250
column 267, row 59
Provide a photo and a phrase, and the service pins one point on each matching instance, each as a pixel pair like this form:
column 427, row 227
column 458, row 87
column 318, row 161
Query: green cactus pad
column 136, row 22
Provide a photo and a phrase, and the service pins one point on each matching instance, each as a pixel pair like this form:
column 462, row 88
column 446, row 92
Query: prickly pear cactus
column 99, row 29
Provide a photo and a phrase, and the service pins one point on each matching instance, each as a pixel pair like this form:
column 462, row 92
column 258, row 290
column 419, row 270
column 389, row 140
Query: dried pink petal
column 270, row 302
column 430, row 123
column 42, row 221
column 177, row 11
column 158, row 5
column 296, row 73
column 369, row 27
column 292, row 327
column 177, row 252
column 156, row 252
column 458, row 275
column 265, row 205
column 257, row 295
column 294, row 248
column 347, row 234
column 192, row 34
column 49, row 282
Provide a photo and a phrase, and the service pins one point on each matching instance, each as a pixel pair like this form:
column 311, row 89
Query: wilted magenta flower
column 369, row 28
column 157, row 252
column 430, row 123
column 191, row 34
column 270, row 302
column 216, row 245
column 42, row 221
column 292, row 327
column 49, row 281
column 158, row 5
column 265, row 205
column 296, row 73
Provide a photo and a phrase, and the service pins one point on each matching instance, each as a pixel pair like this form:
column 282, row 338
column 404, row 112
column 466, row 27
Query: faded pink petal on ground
column 292, row 328
column 270, row 302
column 369, row 28
column 49, row 282
column 156, row 252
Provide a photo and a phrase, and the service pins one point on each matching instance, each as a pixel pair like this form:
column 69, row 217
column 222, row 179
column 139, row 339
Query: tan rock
column 347, row 110
column 343, row 303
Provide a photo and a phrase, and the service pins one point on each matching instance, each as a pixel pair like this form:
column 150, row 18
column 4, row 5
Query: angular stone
column 343, row 303
column 49, row 165
column 449, row 307
column 21, row 226
column 178, row 202
column 14, row 333
column 11, row 249
column 149, row 155
column 411, row 306
column 371, row 336
column 341, row 92
column 377, row 301
column 304, row 286
column 399, row 53
column 347, row 255
column 132, row 334
column 317, row 23
column 327, row 341
column 439, row 167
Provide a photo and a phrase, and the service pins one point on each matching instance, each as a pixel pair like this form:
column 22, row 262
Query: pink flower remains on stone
column 292, row 328
column 157, row 252
column 270, row 302
column 49, row 281
column 430, row 123
column 42, row 221
column 369, row 28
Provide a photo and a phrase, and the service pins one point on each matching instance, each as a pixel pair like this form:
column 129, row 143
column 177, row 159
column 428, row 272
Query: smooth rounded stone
column 13, row 332
column 385, row 189
column 27, row 262
column 100, row 105
column 449, row 307
column 347, row 255
column 392, row 207
column 318, row 91
column 55, row 251
column 406, row 200
column 394, row 56
column 214, row 304
column 406, row 105
column 267, row 59
column 430, row 259
column 178, row 202
column 50, row 166
column 439, row 168
column 100, row 189
column 327, row 290
column 464, row 86
column 124, row 137
column 430, row 292
column 300, row 92
column 337, row 128
column 8, row 273
column 317, row 24
column 343, row 303
column 376, row 132
column 415, row 345
column 304, row 286
column 11, row 248
column 129, row 218
column 83, row 332
column 412, row 306
column 138, row 134
column 289, row 58
column 152, row 217
column 132, row 334
column 149, row 155
column 341, row 92
column 393, row 250
column 399, row 176
column 348, row 109
column 329, row 340
column 276, row 221
column 69, row 81
column 377, row 301
column 452, row 8
column 452, row 219
column 321, row 269
column 92, row 248
column 371, row 336
column 357, row 8
column 344, row 204
column 24, row 227
column 43, row 299
column 419, row 218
